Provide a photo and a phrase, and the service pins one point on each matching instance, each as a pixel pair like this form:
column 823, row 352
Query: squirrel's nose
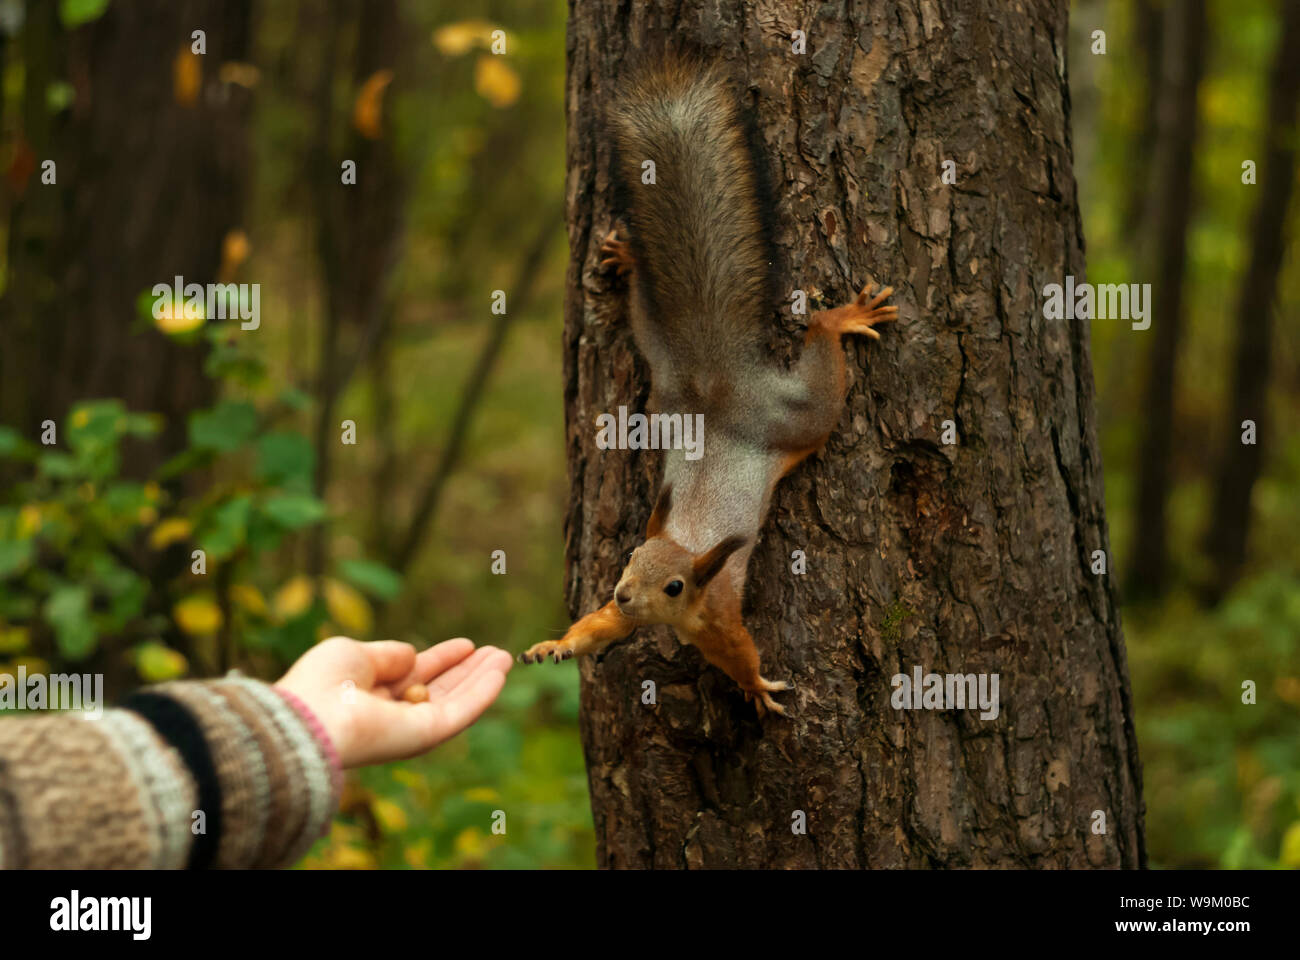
column 623, row 596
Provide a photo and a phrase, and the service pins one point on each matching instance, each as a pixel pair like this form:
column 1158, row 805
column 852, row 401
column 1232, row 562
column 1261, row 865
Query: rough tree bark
column 971, row 558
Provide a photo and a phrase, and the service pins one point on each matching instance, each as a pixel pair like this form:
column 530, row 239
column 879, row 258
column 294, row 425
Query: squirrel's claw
column 557, row 650
column 762, row 699
column 616, row 255
column 866, row 311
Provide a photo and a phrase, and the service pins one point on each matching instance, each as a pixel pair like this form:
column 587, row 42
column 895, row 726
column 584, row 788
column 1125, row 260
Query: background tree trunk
column 1239, row 464
column 971, row 558
column 1170, row 191
column 359, row 227
column 149, row 184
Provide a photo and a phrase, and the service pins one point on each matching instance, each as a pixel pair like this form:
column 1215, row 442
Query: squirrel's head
column 664, row 582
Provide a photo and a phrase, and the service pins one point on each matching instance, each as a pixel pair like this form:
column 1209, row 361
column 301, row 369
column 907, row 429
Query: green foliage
column 74, row 13
column 375, row 578
column 1222, row 781
column 892, row 624
column 93, row 560
column 439, row 810
column 1220, row 776
column 225, row 428
column 481, row 174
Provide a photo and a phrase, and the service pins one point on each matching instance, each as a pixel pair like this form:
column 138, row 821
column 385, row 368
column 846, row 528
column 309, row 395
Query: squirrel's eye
column 674, row 587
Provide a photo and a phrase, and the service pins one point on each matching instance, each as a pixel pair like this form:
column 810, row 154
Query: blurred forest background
column 183, row 432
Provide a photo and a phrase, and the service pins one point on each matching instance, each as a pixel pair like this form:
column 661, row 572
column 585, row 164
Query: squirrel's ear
column 707, row 565
column 659, row 516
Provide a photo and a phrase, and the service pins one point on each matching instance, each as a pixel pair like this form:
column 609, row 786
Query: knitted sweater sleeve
column 224, row 773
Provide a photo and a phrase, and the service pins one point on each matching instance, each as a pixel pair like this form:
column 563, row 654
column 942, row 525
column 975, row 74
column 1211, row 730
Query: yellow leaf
column 455, row 39
column 179, row 318
column 367, row 112
column 13, row 639
column 152, row 492
column 146, row 515
column 293, row 598
column 81, row 418
column 1289, row 856
column 187, row 77
column 29, row 521
column 1288, row 688
column 495, row 81
column 198, row 615
column 407, row 778
column 234, row 251
column 390, row 816
column 470, row 842
column 157, row 664
column 347, row 607
column 350, row 858
column 172, row 530
column 250, row 598
column 243, row 74
column 481, row 795
column 417, row 854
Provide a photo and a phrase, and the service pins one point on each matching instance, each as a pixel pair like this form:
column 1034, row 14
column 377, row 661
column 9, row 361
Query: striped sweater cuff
column 318, row 731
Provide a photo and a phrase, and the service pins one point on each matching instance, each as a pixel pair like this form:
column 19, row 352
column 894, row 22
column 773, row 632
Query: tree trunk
column 969, row 558
column 358, row 226
column 1182, row 63
column 1148, row 40
column 147, row 188
column 1239, row 463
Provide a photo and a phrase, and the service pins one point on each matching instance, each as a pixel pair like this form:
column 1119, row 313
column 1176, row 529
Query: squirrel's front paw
column 864, row 312
column 555, row 649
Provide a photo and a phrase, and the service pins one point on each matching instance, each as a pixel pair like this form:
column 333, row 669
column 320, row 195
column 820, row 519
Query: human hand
column 355, row 689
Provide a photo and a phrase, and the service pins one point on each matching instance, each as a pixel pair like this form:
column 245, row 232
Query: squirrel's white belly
column 720, row 495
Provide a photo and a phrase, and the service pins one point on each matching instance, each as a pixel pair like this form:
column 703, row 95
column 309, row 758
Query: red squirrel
column 698, row 272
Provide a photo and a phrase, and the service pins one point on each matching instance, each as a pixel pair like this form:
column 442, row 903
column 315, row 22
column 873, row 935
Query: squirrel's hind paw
column 762, row 699
column 616, row 254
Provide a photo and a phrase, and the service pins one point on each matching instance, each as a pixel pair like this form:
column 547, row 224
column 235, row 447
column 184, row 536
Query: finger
column 453, row 714
column 391, row 659
column 880, row 297
column 448, row 679
column 434, row 661
column 398, row 731
column 491, row 659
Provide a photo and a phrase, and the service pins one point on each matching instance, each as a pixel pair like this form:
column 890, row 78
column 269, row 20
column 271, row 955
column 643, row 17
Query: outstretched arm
column 230, row 772
column 591, row 634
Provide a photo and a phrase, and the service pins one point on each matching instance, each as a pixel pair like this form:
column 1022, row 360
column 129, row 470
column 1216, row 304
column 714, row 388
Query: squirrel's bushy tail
column 698, row 232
